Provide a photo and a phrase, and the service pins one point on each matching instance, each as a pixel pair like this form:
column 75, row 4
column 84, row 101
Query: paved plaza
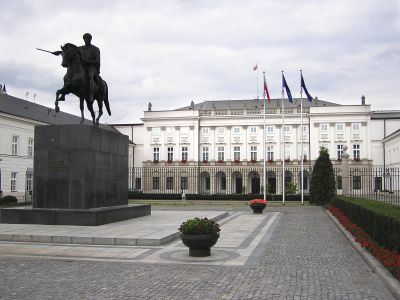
column 289, row 252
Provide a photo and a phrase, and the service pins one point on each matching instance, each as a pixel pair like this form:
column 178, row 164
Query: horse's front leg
column 60, row 96
column 82, row 107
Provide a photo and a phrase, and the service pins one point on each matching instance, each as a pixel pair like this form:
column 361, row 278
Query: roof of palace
column 25, row 109
column 255, row 104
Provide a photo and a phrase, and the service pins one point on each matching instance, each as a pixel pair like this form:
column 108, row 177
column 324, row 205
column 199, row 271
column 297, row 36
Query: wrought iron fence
column 207, row 180
column 376, row 183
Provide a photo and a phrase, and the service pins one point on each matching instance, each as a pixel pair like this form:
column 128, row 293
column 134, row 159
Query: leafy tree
column 290, row 188
column 322, row 187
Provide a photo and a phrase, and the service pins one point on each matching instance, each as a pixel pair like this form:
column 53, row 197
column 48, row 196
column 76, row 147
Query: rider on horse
column 90, row 56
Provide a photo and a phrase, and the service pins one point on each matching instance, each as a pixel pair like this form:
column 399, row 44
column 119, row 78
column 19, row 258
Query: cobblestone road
column 306, row 258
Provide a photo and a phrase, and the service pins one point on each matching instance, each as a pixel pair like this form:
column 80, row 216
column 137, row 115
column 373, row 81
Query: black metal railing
column 376, row 183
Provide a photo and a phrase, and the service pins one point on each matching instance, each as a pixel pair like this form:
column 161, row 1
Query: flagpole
column 283, row 143
column 257, row 81
column 301, row 135
column 265, row 157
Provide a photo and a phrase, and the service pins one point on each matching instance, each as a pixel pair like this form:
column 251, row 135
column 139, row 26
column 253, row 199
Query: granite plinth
column 79, row 167
column 81, row 217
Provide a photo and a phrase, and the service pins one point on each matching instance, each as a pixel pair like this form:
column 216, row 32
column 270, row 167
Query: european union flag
column 285, row 86
column 303, row 86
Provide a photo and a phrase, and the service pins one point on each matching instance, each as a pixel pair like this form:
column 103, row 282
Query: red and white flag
column 255, row 67
column 266, row 93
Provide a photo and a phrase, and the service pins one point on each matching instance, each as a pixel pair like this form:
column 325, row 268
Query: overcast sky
column 171, row 52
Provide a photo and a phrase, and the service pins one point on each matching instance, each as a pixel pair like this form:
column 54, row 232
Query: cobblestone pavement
column 306, row 258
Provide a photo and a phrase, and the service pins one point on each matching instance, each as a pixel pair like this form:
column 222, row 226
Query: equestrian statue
column 83, row 77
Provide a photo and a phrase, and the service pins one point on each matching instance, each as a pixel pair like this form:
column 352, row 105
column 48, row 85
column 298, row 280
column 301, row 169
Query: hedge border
column 380, row 220
column 232, row 197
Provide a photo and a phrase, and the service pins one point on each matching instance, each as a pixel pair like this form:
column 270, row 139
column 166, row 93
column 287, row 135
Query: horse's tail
column 106, row 103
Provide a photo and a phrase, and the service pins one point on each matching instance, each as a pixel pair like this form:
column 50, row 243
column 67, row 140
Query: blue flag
column 303, row 86
column 285, row 86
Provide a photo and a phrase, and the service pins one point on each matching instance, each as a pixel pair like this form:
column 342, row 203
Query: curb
column 389, row 280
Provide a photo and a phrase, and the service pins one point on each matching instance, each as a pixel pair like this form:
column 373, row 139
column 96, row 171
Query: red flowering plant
column 390, row 259
column 258, row 204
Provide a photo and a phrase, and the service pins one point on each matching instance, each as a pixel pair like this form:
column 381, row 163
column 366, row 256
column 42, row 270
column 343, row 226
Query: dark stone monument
column 80, row 178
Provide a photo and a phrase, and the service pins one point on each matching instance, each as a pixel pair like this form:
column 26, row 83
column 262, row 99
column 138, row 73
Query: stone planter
column 257, row 208
column 199, row 245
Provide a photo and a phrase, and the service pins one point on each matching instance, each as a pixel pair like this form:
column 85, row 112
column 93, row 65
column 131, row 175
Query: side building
column 18, row 119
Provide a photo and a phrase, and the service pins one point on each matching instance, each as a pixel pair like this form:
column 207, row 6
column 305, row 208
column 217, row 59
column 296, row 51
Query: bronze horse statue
column 76, row 82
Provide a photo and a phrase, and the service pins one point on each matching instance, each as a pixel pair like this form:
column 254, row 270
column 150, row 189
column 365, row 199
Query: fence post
column 345, row 172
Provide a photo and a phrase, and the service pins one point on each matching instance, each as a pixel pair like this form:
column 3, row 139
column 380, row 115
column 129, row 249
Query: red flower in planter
column 258, row 201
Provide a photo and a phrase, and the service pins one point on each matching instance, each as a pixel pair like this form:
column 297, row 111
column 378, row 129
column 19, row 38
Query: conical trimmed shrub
column 322, row 186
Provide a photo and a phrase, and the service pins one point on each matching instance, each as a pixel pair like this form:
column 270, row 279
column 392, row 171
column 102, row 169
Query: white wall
column 20, row 163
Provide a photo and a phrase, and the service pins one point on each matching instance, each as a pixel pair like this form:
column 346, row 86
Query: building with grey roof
column 18, row 119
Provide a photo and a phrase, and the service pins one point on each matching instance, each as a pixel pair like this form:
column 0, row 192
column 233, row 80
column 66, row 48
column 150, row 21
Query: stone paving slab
column 243, row 236
column 159, row 228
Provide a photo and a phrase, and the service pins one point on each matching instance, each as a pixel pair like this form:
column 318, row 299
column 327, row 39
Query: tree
column 322, row 187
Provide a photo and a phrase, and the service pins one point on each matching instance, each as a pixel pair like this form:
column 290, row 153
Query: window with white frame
column 29, row 180
column 236, row 153
column 356, row 151
column 270, row 153
column 270, row 129
column 340, row 127
column 339, row 151
column 221, row 130
column 30, row 147
column 156, row 131
column 156, row 183
column 205, row 153
column 170, row 153
column 253, row 152
column 184, row 183
column 355, row 126
column 13, row 185
column 170, row 182
column 305, row 152
column 221, row 153
column 185, row 153
column 287, row 152
column 236, row 130
column 156, row 153
column 323, row 127
column 286, row 129
column 204, row 130
column 14, row 145
column 253, row 129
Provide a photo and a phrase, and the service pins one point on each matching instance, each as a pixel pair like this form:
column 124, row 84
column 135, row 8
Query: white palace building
column 216, row 147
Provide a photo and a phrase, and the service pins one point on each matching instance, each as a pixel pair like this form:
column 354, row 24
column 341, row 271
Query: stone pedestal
column 79, row 171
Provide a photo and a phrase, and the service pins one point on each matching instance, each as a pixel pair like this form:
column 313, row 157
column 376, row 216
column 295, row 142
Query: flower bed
column 390, row 259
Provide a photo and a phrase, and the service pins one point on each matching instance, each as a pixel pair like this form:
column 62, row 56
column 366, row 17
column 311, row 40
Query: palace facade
column 218, row 146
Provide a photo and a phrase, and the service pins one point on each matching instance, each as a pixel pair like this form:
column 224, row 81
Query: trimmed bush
column 380, row 220
column 322, row 186
column 9, row 199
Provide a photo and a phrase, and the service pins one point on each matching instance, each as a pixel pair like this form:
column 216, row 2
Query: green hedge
column 233, row 197
column 380, row 220
column 9, row 199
